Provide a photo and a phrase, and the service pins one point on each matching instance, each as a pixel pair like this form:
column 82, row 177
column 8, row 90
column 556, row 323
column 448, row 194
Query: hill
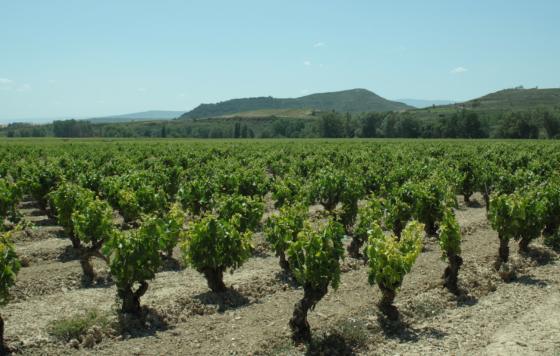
column 353, row 101
column 492, row 105
column 138, row 116
column 517, row 99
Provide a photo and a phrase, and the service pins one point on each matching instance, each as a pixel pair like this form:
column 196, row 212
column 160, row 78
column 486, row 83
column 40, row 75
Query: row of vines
column 130, row 204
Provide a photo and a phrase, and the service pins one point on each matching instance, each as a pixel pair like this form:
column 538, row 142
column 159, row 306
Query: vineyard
column 279, row 247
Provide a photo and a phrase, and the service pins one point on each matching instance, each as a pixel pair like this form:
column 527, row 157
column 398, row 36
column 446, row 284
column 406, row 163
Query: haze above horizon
column 98, row 58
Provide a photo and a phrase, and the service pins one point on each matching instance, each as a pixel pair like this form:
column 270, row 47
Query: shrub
column 352, row 191
column 9, row 265
column 468, row 178
column 286, row 191
column 450, row 243
column 66, row 199
column 282, row 229
column 519, row 215
column 213, row 245
column 368, row 215
column 249, row 210
column 10, row 195
column 196, row 195
column 93, row 226
column 390, row 259
column 172, row 223
column 128, row 205
column 134, row 259
column 328, row 187
column 314, row 259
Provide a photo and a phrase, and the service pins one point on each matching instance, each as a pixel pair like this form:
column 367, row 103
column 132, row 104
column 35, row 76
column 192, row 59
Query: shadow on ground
column 230, row 299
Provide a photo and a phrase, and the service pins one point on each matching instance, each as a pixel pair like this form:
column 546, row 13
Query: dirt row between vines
column 184, row 318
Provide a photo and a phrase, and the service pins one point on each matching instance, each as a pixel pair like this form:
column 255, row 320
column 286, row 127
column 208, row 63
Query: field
column 159, row 198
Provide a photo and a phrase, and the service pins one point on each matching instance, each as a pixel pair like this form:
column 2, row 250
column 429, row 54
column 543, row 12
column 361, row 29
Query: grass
column 77, row 325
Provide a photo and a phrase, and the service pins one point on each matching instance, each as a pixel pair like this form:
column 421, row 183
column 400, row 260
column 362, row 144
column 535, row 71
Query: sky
column 85, row 58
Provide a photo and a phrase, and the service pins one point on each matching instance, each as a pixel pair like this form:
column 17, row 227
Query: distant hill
column 138, row 116
column 517, row 99
column 492, row 105
column 420, row 104
column 354, row 101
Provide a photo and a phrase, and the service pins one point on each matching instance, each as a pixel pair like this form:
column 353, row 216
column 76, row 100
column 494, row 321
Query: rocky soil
column 183, row 318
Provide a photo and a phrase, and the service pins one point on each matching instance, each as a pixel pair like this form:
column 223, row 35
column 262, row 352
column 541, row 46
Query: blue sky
column 93, row 58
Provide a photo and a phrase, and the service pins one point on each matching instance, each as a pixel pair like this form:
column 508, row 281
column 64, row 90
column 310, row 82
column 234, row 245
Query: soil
column 183, row 317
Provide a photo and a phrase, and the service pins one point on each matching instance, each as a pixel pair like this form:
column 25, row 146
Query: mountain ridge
column 353, row 101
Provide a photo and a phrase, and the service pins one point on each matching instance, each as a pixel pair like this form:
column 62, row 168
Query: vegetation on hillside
column 513, row 113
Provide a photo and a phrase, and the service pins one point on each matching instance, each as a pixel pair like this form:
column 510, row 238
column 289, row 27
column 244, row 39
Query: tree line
column 459, row 124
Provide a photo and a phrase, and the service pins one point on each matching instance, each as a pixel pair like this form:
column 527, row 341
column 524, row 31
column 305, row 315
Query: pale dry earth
column 495, row 318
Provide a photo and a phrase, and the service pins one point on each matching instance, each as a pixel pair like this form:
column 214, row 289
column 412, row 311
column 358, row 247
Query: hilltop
column 353, row 101
column 517, row 99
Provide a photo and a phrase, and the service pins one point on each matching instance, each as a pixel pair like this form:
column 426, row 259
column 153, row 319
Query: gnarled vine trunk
column 386, row 303
column 301, row 332
column 85, row 260
column 398, row 228
column 87, row 268
column 75, row 241
column 524, row 245
column 283, row 262
column 486, row 197
column 503, row 252
column 131, row 299
column 451, row 272
column 215, row 279
column 355, row 246
column 3, row 349
column 431, row 228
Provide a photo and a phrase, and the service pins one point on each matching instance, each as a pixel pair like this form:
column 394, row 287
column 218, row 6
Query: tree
column 472, row 127
column 314, row 259
column 370, row 124
column 551, row 124
column 348, row 127
column 213, row 245
column 518, row 125
column 72, row 128
column 331, row 125
column 244, row 131
column 390, row 260
column 237, row 130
